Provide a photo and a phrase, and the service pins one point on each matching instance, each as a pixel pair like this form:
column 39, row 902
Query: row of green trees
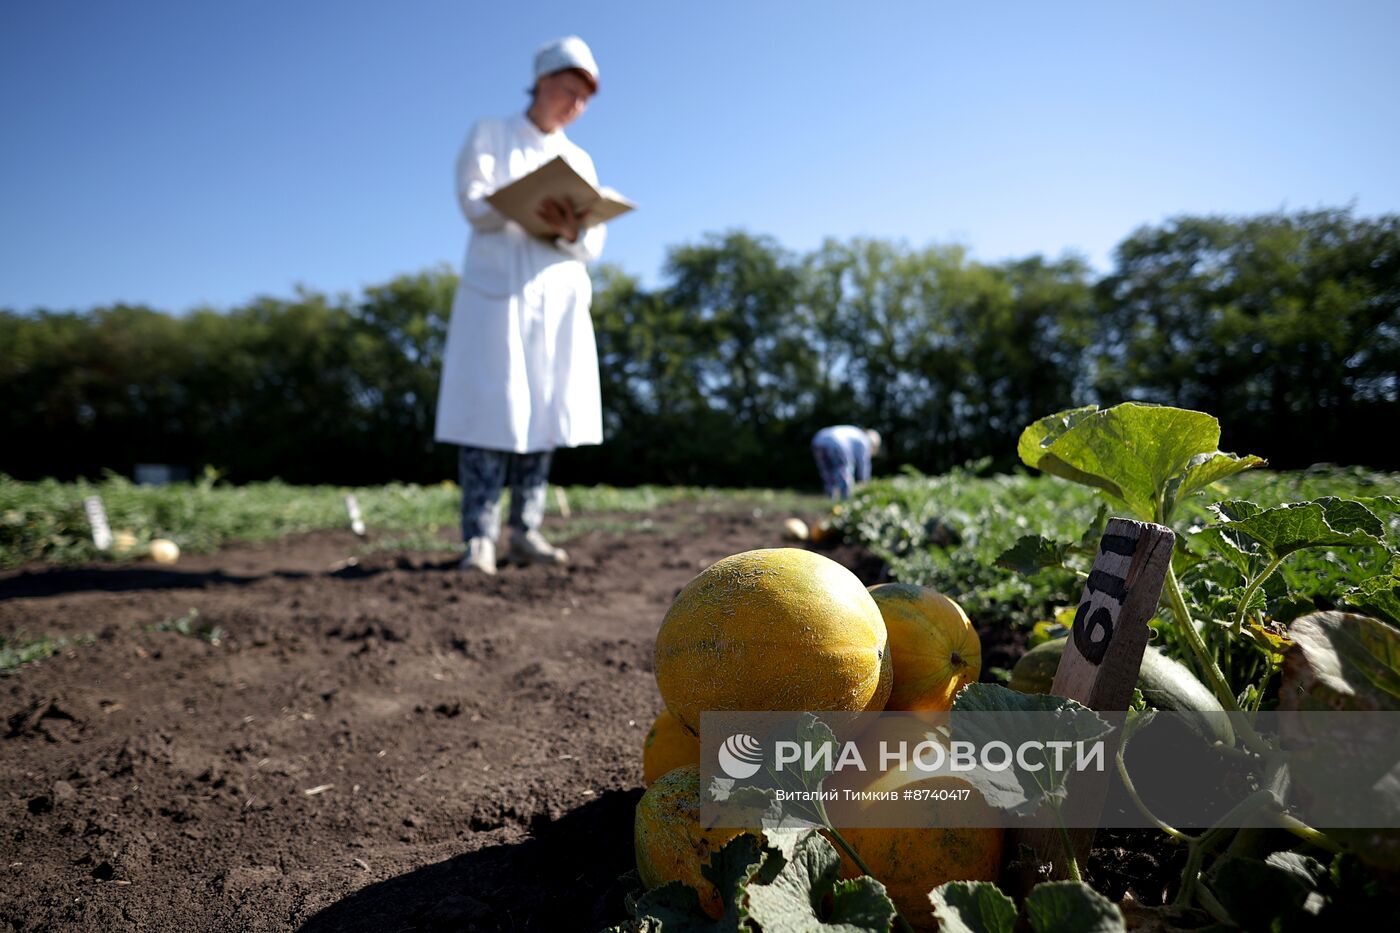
column 1285, row 326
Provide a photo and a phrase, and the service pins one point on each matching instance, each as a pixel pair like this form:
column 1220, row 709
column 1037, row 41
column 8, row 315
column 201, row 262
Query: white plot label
column 357, row 521
column 97, row 520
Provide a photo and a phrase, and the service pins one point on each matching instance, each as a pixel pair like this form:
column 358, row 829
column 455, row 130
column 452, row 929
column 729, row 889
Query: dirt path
column 386, row 746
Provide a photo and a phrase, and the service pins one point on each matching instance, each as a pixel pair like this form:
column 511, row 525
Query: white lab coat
column 520, row 370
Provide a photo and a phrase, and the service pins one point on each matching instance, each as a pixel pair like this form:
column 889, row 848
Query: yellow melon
column 910, row 861
column 671, row 844
column 164, row 551
column 668, row 746
column 933, row 645
column 772, row 629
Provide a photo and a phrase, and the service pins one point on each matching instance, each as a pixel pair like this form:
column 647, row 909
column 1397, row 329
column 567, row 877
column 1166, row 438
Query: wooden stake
column 1099, row 668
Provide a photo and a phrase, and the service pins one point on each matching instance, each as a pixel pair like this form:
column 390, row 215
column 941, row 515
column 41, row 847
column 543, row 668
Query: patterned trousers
column 482, row 475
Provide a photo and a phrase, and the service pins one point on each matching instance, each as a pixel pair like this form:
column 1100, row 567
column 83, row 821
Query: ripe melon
column 910, row 861
column 772, row 629
column 668, row 746
column 671, row 844
column 164, row 551
column 934, row 647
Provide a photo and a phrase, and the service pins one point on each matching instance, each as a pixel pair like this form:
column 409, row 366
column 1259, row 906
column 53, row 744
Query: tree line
column 1285, row 326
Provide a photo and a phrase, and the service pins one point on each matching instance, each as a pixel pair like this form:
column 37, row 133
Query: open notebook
column 520, row 199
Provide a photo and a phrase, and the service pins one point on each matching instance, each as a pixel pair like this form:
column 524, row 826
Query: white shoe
column 530, row 547
column 481, row 556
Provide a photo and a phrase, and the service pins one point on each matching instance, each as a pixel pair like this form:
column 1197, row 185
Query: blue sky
column 183, row 154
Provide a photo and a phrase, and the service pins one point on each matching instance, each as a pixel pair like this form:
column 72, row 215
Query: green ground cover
column 45, row 521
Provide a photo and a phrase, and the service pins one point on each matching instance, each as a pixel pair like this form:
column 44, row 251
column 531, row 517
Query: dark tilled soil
column 388, row 745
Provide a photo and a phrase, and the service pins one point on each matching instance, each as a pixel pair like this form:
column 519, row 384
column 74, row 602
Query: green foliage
column 1072, row 907
column 45, row 520
column 1145, row 457
column 1282, row 325
column 1021, row 790
column 17, row 651
column 190, row 626
column 774, row 889
column 1279, row 892
column 972, row 907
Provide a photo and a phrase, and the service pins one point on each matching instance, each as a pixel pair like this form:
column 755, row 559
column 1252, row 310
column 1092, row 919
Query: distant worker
column 843, row 454
column 520, row 370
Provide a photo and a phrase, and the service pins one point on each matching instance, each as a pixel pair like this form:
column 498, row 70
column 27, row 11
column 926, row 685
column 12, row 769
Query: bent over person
column 520, row 370
column 843, row 453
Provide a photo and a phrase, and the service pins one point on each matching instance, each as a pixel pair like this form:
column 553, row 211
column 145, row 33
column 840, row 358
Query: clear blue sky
column 187, row 153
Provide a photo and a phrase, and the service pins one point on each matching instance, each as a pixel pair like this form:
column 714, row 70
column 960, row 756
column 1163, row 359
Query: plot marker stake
column 1099, row 668
column 357, row 521
column 97, row 520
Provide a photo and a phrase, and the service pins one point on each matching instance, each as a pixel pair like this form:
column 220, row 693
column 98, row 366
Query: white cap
column 565, row 53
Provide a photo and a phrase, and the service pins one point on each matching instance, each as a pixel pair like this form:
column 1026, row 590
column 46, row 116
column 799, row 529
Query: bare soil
column 384, row 745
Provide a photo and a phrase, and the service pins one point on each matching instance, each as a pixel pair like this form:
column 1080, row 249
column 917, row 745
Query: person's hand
column 562, row 218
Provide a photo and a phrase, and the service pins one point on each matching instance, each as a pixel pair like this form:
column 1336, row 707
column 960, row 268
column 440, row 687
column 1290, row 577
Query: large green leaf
column 1072, row 907
column 1325, row 522
column 972, row 907
column 807, row 896
column 998, row 714
column 1134, row 452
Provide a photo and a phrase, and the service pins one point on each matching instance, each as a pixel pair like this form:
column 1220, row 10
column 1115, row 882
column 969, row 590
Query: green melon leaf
column 1072, row 907
column 796, row 900
column 1261, row 895
column 1016, row 789
column 972, row 907
column 1204, row 469
column 1032, row 554
column 1325, row 522
column 1136, row 453
column 1341, row 661
column 1379, row 594
column 1346, row 662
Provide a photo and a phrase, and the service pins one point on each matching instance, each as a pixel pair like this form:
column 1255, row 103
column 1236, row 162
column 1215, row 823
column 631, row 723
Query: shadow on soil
column 126, row 579
column 564, row 877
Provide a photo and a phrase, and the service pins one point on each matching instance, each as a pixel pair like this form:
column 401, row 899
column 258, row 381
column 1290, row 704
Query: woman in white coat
column 520, row 371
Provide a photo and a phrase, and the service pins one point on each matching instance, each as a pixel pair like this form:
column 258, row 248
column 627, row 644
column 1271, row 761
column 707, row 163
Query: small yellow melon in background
column 668, row 746
column 795, row 529
column 772, row 629
column 670, row 842
column 164, row 551
column 934, row 647
column 123, row 541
